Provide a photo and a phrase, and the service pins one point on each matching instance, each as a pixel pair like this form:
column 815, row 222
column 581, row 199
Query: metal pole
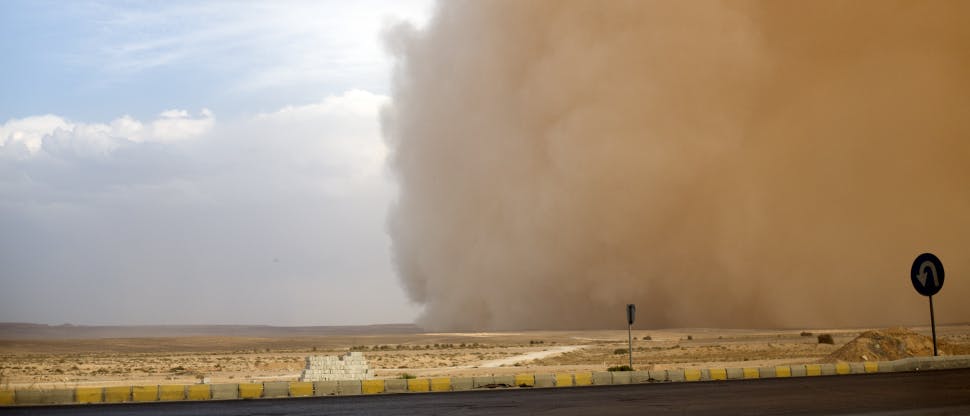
column 933, row 325
column 629, row 335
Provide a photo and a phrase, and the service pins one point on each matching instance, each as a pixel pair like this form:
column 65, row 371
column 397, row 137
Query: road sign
column 927, row 274
column 631, row 314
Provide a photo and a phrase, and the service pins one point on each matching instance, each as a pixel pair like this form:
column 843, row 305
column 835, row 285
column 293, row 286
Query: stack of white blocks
column 352, row 366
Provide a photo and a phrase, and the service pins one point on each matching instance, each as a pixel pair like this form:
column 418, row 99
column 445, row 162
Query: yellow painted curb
column 564, row 380
column 144, row 393
column 88, row 395
column 692, row 374
column 371, row 386
column 199, row 392
column 583, row 379
column 169, row 392
column 117, row 394
column 842, row 368
column 749, row 372
column 6, row 396
column 782, row 371
column 870, row 366
column 419, row 385
column 441, row 384
column 525, row 380
column 250, row 390
column 718, row 374
column 301, row 388
column 813, row 370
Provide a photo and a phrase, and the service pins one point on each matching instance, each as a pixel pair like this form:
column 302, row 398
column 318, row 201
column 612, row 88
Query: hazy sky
column 186, row 162
column 721, row 164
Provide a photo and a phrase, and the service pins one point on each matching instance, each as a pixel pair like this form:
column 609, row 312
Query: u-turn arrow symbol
column 932, row 273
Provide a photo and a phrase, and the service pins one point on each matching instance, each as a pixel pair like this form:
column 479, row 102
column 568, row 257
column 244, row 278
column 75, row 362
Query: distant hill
column 20, row 331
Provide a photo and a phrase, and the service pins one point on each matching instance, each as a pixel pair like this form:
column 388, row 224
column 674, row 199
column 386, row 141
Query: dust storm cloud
column 735, row 164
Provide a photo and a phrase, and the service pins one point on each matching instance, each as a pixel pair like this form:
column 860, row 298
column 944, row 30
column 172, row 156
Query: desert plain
column 34, row 356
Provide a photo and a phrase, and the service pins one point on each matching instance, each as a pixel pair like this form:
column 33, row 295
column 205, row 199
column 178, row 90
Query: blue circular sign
column 927, row 274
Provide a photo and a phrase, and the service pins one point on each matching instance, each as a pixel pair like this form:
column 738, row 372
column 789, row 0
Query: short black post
column 629, row 335
column 933, row 325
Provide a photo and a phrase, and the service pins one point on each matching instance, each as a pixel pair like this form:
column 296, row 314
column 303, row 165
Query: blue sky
column 197, row 162
column 97, row 60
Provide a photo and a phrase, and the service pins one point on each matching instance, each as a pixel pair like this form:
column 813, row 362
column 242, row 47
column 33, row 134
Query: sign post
column 927, row 276
column 631, row 311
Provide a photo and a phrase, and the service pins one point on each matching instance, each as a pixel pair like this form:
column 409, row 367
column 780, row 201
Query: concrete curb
column 278, row 389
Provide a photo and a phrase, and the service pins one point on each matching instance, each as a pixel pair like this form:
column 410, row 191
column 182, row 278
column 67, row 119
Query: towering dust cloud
column 736, row 164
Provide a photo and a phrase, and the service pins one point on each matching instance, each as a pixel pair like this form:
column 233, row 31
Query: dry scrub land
column 55, row 363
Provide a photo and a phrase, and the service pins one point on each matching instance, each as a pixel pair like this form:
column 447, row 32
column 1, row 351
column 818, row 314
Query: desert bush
column 648, row 338
column 620, row 368
column 690, row 337
column 407, row 376
column 826, row 339
column 619, row 351
column 806, row 334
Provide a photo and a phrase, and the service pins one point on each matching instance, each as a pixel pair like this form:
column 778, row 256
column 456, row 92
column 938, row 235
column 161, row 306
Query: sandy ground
column 186, row 360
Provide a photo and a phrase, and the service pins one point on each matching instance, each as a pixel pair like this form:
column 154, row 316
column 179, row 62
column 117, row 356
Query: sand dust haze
column 736, row 164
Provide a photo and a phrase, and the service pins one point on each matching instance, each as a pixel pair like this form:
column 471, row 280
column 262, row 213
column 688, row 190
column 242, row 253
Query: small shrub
column 826, row 339
column 619, row 351
column 806, row 334
column 648, row 338
column 407, row 376
column 690, row 337
column 620, row 368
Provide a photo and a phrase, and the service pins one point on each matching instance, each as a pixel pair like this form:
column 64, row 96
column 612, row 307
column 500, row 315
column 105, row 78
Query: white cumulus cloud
column 28, row 136
column 25, row 135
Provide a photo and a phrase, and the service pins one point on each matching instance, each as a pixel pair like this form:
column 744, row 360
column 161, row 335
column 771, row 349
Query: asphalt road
column 944, row 392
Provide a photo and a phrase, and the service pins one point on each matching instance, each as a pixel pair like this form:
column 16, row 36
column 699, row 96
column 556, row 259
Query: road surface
column 943, row 392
